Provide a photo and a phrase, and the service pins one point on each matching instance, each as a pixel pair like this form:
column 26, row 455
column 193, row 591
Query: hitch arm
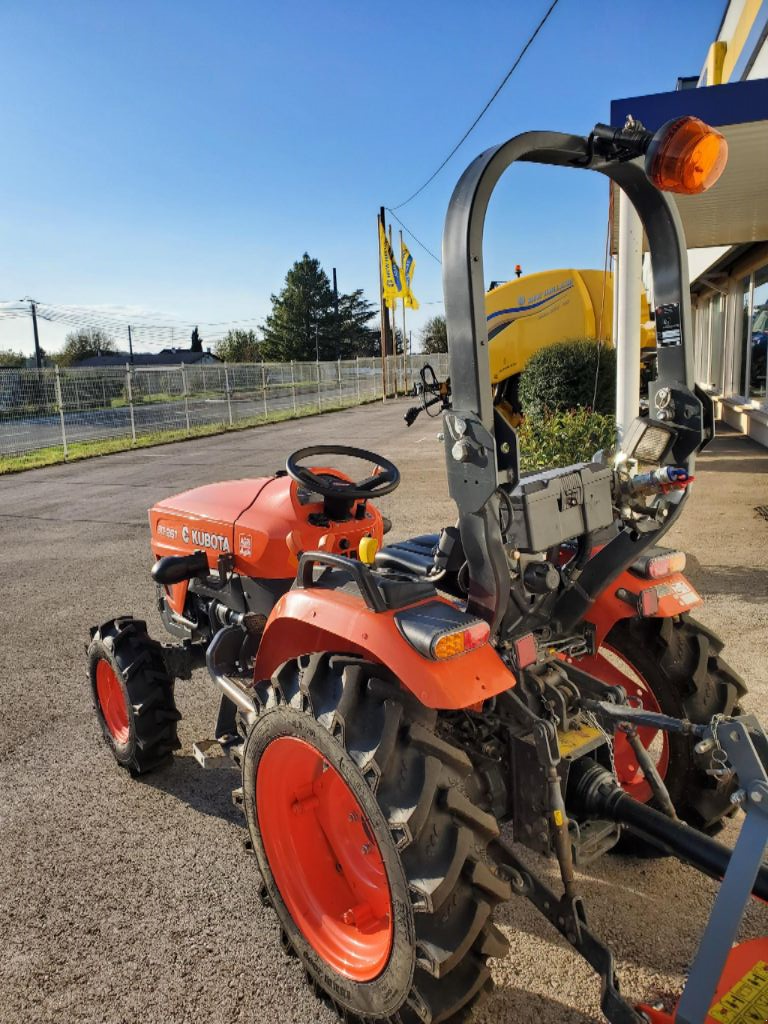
column 567, row 916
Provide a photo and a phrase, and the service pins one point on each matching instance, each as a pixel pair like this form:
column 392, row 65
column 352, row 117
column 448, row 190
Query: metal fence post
column 129, row 393
column 264, row 389
column 293, row 386
column 357, row 376
column 185, row 392
column 60, row 403
column 341, row 390
column 319, row 402
column 226, row 389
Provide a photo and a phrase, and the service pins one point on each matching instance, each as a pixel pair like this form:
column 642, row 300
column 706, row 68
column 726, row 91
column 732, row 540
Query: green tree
column 10, row 358
column 303, row 324
column 356, row 337
column 238, row 347
column 434, row 336
column 84, row 343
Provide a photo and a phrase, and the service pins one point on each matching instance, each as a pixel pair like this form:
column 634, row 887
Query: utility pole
column 38, row 352
column 130, row 346
column 386, row 337
column 336, row 314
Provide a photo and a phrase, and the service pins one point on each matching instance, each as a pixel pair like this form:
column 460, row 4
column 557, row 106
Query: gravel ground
column 127, row 901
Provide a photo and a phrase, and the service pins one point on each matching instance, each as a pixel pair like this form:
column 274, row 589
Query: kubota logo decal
column 204, row 539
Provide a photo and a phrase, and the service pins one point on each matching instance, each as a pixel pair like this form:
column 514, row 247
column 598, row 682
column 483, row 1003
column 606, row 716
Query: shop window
column 759, row 339
column 746, row 288
column 716, row 341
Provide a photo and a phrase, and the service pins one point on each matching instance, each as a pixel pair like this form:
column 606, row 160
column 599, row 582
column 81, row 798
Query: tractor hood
column 203, row 518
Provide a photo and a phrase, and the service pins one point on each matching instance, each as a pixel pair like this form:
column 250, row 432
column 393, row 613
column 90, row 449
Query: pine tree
column 303, row 323
column 298, row 326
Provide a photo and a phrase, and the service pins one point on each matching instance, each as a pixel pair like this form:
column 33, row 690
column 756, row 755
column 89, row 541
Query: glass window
column 757, row 382
column 716, row 342
column 746, row 286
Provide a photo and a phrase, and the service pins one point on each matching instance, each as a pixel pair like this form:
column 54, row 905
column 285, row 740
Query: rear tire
column 409, row 786
column 680, row 660
column 132, row 695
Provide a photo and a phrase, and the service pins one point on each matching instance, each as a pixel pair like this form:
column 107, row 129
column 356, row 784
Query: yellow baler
column 539, row 310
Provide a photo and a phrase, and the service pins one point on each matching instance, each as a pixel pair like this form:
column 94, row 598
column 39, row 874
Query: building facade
column 729, row 284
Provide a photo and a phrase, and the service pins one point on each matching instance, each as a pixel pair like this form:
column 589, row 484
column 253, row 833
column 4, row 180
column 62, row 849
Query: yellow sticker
column 747, row 1001
column 558, row 816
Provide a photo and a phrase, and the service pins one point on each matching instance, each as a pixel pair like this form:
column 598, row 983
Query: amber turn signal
column 686, row 156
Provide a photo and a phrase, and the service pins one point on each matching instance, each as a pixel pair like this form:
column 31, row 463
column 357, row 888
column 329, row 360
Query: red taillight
column 460, row 641
column 664, row 565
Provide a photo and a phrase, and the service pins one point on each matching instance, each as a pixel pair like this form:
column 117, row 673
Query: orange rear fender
column 312, row 620
column 622, row 600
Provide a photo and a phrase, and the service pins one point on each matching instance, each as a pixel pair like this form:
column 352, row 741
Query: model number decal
column 204, row 539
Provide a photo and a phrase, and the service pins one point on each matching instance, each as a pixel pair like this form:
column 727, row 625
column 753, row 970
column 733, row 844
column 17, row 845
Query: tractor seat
column 416, row 555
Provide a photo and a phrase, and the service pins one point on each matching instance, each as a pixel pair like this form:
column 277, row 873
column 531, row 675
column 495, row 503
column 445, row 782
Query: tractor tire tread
column 441, row 838
column 138, row 660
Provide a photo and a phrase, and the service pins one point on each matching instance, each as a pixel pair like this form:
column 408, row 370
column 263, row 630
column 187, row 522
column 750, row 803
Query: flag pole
column 394, row 321
column 405, row 333
column 383, row 314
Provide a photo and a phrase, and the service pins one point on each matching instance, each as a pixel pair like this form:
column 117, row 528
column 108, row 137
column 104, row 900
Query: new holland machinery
column 390, row 708
column 531, row 313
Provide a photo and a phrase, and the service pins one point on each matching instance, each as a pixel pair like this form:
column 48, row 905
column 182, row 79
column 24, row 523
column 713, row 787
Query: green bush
column 550, row 440
column 563, row 377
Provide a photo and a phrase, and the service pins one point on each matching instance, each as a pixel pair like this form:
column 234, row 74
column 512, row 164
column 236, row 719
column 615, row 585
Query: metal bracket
column 746, row 747
column 568, row 918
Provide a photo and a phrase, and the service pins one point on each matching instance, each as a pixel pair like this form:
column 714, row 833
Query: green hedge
column 563, row 377
column 550, row 440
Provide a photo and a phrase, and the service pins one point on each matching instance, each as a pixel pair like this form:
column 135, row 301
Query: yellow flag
column 391, row 281
column 408, row 265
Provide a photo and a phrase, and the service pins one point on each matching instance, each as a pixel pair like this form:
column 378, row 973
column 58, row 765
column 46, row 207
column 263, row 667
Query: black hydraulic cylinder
column 594, row 792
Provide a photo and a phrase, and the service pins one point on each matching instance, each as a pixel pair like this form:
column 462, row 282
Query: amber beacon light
column 686, row 156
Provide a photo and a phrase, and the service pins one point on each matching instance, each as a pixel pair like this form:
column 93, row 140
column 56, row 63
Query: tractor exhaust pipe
column 594, row 792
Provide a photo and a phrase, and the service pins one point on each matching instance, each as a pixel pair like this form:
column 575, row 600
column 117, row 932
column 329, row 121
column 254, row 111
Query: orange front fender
column 313, row 620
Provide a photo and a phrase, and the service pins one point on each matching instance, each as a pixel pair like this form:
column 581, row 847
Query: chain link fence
column 57, row 408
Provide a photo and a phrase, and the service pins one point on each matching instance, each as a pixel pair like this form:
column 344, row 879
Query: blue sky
column 179, row 156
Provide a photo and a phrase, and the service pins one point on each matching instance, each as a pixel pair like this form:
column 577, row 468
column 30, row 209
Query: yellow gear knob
column 367, row 549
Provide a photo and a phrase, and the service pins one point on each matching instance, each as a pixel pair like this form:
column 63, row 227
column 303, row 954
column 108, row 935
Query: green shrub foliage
column 563, row 377
column 550, row 440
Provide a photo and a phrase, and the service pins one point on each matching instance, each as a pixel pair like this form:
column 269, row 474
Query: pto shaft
column 595, row 793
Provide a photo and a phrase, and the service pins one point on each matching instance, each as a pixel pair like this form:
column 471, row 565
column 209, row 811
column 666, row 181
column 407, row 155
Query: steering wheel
column 371, row 487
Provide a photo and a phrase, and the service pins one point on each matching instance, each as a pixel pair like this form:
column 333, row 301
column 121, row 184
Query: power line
column 482, row 113
column 416, row 240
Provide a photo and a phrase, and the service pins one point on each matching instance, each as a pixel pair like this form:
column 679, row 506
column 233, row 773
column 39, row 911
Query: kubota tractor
column 391, row 707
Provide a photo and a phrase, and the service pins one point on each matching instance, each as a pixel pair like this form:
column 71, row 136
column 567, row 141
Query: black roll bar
column 475, row 470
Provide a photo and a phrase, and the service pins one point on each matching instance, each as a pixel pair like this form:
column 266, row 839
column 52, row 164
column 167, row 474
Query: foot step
column 216, row 753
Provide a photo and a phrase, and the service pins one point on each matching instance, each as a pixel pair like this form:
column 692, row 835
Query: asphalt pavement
column 127, row 901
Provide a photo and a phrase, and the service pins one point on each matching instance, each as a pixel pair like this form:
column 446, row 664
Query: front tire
column 132, row 695
column 369, row 774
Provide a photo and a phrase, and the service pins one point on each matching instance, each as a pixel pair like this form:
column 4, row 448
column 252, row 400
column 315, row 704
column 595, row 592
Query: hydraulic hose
column 594, row 792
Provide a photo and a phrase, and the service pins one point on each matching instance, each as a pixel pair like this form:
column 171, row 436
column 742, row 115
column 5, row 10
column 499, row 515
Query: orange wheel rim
column 610, row 666
column 324, row 858
column 109, row 694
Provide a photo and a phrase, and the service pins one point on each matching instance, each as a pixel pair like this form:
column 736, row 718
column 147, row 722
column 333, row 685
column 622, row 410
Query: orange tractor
column 536, row 666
